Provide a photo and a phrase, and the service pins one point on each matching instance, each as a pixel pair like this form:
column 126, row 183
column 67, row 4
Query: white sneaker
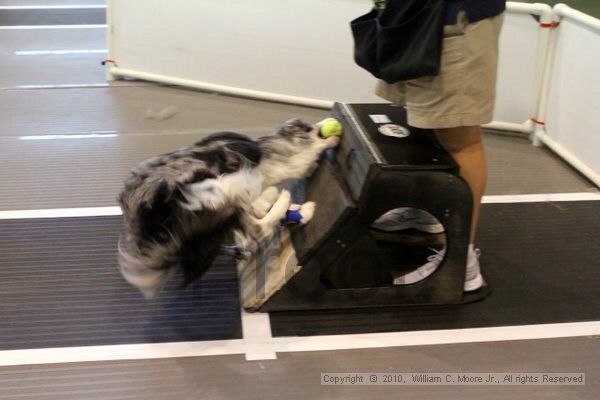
column 406, row 218
column 433, row 261
column 473, row 278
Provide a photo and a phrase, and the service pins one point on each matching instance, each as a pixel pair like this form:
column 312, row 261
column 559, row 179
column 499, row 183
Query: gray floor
column 517, row 167
column 19, row 68
column 61, row 16
column 129, row 110
column 297, row 375
column 87, row 172
column 44, row 173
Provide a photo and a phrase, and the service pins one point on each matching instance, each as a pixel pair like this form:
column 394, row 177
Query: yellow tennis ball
column 331, row 127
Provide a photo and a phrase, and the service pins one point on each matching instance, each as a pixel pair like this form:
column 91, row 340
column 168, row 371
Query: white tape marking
column 34, row 27
column 256, row 329
column 57, row 52
column 541, row 198
column 50, row 7
column 58, row 355
column 296, row 344
column 61, row 213
column 97, row 135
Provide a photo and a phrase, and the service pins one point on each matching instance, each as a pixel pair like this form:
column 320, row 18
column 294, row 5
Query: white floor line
column 120, row 84
column 61, row 213
column 50, row 7
column 59, row 355
column 436, row 337
column 256, row 131
column 33, row 27
column 540, row 198
column 97, row 135
column 256, row 328
column 296, row 344
column 57, row 52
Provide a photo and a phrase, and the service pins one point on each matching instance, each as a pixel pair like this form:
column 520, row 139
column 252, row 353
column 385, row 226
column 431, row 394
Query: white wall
column 299, row 48
column 293, row 47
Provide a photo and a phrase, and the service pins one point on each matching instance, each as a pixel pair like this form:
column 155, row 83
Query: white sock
column 471, row 256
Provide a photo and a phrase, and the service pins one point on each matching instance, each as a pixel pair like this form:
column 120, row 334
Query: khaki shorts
column 463, row 93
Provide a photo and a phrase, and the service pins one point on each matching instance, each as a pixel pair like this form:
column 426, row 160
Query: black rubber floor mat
column 60, row 286
column 541, row 258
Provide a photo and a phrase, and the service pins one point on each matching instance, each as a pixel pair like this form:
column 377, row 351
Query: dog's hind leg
column 270, row 194
column 277, row 212
column 263, row 204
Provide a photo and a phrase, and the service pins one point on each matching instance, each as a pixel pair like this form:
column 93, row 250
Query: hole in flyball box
column 404, row 246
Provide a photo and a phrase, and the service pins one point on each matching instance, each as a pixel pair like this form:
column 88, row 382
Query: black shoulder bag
column 400, row 39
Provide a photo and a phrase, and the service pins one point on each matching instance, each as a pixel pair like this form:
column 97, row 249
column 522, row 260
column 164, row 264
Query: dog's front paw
column 300, row 213
column 308, row 211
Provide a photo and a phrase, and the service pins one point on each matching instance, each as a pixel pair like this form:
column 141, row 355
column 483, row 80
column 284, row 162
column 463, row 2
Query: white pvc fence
column 518, row 67
column 573, row 94
column 300, row 52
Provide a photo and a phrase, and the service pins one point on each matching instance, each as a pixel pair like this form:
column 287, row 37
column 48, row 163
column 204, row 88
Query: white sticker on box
column 394, row 130
column 380, row 118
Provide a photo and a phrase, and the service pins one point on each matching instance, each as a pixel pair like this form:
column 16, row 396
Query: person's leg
column 455, row 103
column 466, row 148
column 465, row 145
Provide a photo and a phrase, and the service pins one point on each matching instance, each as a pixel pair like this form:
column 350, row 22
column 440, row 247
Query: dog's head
column 304, row 135
column 293, row 151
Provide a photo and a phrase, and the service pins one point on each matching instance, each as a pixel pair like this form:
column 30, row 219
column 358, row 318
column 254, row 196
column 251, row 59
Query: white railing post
column 544, row 12
column 546, row 41
column 563, row 10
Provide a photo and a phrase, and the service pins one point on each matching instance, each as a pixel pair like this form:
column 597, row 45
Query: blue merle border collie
column 181, row 209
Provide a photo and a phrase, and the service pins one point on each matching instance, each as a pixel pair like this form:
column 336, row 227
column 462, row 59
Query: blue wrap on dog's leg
column 292, row 217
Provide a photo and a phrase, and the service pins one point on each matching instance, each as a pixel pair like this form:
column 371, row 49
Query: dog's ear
column 294, row 127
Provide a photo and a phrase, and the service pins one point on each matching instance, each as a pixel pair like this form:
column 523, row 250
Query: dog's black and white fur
column 181, row 208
